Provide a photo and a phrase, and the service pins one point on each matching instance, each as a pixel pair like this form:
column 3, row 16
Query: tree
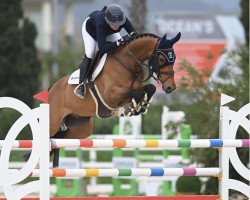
column 19, row 64
column 138, row 13
column 245, row 17
column 202, row 107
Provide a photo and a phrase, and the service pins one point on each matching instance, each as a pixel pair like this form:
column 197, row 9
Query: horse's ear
column 163, row 41
column 175, row 39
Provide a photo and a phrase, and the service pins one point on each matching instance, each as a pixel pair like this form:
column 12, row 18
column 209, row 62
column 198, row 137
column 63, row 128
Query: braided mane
column 141, row 36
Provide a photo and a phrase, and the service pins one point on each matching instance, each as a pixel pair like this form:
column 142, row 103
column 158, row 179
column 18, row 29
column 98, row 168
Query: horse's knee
column 137, row 95
column 150, row 89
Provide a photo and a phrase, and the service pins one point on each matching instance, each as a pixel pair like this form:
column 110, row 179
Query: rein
column 136, row 76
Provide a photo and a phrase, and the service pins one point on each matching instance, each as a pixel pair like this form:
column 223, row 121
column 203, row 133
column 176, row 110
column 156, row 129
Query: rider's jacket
column 98, row 28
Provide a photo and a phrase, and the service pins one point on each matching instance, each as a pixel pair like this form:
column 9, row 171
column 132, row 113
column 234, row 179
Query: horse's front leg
column 136, row 97
column 140, row 100
column 149, row 91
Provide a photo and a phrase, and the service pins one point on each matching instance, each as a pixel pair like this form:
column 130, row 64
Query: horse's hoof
column 145, row 111
column 128, row 112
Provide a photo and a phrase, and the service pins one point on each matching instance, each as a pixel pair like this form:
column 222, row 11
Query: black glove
column 120, row 42
column 133, row 34
column 126, row 38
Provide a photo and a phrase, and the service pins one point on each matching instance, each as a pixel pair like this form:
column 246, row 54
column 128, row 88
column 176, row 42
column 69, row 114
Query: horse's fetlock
column 128, row 112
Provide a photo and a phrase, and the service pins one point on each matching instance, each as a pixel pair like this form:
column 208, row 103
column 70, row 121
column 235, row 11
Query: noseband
column 155, row 66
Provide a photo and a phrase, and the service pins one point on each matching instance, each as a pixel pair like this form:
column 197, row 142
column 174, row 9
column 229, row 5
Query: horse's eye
column 161, row 59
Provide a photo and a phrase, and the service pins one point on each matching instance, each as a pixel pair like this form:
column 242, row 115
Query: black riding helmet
column 114, row 15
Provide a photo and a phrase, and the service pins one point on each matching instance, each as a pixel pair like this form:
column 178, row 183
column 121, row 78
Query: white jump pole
column 44, row 155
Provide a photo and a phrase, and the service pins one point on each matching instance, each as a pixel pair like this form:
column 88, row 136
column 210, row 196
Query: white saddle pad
column 74, row 77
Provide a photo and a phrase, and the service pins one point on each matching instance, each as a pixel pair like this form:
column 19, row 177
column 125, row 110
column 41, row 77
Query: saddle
column 96, row 66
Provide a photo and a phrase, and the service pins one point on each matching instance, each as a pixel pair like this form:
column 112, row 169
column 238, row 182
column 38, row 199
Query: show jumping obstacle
column 135, row 143
column 229, row 122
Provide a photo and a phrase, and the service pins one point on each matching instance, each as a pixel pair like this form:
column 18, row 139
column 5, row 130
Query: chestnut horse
column 120, row 84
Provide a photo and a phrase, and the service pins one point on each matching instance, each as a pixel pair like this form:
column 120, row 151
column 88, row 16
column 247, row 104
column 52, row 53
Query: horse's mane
column 141, row 36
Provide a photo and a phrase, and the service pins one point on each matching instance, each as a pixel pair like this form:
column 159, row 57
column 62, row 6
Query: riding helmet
column 114, row 15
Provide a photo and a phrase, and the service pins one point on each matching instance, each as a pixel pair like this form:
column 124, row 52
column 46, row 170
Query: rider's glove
column 120, row 42
column 133, row 34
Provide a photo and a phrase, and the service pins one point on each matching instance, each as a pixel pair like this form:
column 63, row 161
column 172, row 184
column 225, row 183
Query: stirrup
column 80, row 90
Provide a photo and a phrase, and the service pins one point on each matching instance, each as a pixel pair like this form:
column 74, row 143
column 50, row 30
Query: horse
column 120, row 86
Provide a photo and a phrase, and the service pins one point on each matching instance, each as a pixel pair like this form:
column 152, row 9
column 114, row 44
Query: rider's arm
column 104, row 46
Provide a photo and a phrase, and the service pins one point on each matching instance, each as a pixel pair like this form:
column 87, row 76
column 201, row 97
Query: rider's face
column 114, row 27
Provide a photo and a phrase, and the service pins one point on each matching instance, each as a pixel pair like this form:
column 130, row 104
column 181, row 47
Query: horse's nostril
column 168, row 89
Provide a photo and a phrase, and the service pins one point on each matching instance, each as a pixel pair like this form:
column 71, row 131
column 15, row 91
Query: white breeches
column 90, row 44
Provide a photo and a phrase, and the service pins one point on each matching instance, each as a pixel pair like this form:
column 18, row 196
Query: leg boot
column 80, row 90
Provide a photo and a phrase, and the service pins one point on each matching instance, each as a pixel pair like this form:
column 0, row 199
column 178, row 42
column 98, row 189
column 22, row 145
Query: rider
column 95, row 29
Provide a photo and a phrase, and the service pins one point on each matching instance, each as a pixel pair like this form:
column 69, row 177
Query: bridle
column 153, row 65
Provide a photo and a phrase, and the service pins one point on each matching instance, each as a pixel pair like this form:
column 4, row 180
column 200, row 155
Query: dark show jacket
column 99, row 29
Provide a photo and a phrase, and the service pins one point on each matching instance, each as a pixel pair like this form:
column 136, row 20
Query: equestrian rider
column 97, row 29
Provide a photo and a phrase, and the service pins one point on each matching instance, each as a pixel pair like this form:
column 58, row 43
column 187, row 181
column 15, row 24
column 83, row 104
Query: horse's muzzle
column 169, row 89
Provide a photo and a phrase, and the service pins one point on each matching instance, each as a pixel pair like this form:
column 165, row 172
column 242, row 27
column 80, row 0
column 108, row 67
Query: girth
column 102, row 109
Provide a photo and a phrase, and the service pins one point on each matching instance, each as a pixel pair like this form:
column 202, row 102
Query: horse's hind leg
column 74, row 128
column 78, row 127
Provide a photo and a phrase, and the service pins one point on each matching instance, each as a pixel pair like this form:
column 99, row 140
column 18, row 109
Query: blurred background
column 41, row 41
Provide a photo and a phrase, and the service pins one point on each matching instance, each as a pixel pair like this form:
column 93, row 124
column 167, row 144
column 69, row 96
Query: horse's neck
column 142, row 48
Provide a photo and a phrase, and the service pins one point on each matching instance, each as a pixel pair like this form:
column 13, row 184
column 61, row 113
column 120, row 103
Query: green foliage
column 68, row 60
column 245, row 17
column 7, row 118
column 152, row 120
column 202, row 100
column 104, row 126
column 19, row 64
column 189, row 184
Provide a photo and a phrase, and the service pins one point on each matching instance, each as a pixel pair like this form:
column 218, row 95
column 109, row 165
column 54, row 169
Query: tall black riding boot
column 80, row 90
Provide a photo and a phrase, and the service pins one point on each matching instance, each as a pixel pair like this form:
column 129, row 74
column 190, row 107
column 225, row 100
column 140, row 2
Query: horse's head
column 162, row 61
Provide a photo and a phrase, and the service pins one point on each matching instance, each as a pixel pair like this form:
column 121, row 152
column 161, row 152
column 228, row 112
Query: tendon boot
column 80, row 90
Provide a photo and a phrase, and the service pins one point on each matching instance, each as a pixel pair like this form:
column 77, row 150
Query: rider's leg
column 80, row 90
column 90, row 48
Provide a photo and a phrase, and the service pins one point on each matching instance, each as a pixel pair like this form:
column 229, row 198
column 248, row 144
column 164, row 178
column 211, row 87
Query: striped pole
column 135, row 172
column 196, row 197
column 186, row 197
column 136, row 143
